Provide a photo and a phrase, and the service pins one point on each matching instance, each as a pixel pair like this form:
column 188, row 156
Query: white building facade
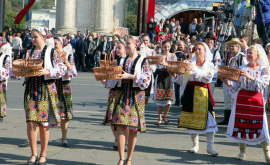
column 42, row 17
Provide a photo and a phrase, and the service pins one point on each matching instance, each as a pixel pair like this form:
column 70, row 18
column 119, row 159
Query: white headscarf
column 208, row 55
column 263, row 60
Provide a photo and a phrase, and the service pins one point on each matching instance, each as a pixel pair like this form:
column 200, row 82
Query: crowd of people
column 48, row 96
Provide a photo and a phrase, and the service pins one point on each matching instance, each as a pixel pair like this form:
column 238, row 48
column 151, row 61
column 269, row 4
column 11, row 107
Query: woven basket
column 226, row 72
column 27, row 67
column 109, row 62
column 178, row 67
column 107, row 71
column 154, row 60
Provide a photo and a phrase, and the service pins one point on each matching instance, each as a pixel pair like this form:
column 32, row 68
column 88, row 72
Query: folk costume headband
column 44, row 31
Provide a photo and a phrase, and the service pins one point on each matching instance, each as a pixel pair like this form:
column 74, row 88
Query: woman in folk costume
column 248, row 123
column 146, row 51
column 5, row 67
column 63, row 85
column 197, row 101
column 40, row 95
column 121, row 53
column 163, row 83
column 129, row 99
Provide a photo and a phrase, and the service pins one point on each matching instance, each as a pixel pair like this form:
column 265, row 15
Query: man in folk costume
column 234, row 46
column 209, row 40
column 5, row 66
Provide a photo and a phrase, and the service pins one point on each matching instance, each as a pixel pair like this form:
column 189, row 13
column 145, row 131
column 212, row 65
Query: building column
column 103, row 15
column 118, row 13
column 65, row 18
column 2, row 16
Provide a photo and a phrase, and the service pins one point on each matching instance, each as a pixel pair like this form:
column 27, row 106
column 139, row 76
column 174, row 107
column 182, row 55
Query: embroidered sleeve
column 73, row 72
column 235, row 86
column 262, row 81
column 5, row 69
column 204, row 75
column 110, row 84
column 143, row 80
column 58, row 69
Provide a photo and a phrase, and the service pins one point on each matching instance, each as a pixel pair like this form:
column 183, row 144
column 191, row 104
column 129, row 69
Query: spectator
column 27, row 42
column 161, row 23
column 17, row 45
column 265, row 4
column 73, row 41
column 192, row 27
column 183, row 26
column 168, row 25
column 257, row 41
column 98, row 39
column 199, row 27
column 104, row 47
column 78, row 35
column 81, row 51
column 151, row 29
column 88, row 33
column 69, row 36
column 176, row 27
column 94, row 35
column 242, row 16
column 4, row 35
column 193, row 40
column 91, row 44
column 173, row 23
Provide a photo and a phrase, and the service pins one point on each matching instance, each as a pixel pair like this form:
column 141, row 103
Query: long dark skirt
column 64, row 92
column 41, row 101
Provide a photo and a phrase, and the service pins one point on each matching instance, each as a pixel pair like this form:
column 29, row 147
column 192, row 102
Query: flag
column 23, row 12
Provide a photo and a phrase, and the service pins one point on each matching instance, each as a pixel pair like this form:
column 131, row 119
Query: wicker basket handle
column 27, row 56
column 230, row 62
column 182, row 53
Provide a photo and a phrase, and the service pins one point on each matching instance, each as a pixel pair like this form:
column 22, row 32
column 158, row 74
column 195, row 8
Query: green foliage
column 132, row 24
column 131, row 16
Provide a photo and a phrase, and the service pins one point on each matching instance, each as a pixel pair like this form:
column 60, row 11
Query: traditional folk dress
column 5, row 67
column 40, row 95
column 111, row 98
column 127, row 100
column 63, row 86
column 163, row 83
column 146, row 53
column 248, row 122
column 197, row 102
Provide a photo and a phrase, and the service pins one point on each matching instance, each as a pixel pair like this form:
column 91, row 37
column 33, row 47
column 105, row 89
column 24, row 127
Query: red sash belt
column 194, row 83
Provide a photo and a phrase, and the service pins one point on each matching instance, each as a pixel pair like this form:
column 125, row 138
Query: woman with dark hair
column 163, row 95
column 199, row 27
column 63, row 85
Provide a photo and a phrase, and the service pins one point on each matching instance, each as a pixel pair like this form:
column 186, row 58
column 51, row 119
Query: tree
column 131, row 7
column 132, row 24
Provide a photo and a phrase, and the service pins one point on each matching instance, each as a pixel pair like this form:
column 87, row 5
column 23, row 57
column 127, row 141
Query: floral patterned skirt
column 126, row 108
column 64, row 92
column 3, row 99
column 41, row 101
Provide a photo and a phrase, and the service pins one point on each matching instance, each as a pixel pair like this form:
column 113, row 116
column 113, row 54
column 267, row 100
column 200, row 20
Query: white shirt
column 17, row 43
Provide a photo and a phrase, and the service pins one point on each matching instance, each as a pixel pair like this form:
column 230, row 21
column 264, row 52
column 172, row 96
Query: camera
column 225, row 11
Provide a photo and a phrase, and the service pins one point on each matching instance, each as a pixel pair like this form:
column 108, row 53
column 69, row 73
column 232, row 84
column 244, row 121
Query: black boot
column 227, row 114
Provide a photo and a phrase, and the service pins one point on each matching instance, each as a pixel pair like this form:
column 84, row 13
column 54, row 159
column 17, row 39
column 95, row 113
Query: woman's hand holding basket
column 43, row 72
column 247, row 75
column 126, row 75
column 189, row 68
